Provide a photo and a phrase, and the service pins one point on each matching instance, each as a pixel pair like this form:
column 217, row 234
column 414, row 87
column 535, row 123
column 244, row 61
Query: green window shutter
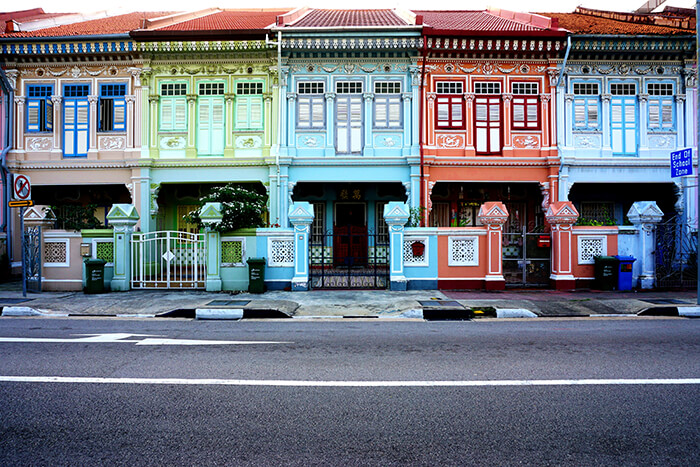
column 204, row 133
column 166, row 114
column 256, row 112
column 179, row 114
column 242, row 109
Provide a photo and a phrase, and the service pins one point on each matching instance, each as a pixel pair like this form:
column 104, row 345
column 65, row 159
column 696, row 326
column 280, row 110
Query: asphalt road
column 534, row 392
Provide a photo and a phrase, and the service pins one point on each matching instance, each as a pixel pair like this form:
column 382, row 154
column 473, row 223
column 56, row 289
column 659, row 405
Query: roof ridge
column 54, row 21
column 643, row 18
column 530, row 19
column 175, row 18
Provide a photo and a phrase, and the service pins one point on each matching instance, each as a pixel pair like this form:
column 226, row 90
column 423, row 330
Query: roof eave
column 124, row 35
column 222, row 34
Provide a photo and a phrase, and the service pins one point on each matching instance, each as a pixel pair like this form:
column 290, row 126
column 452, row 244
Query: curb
column 683, row 311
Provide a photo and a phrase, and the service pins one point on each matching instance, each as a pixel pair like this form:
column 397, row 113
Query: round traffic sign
column 23, row 190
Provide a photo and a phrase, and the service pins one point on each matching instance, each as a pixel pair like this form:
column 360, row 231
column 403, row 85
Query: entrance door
column 526, row 250
column 350, row 235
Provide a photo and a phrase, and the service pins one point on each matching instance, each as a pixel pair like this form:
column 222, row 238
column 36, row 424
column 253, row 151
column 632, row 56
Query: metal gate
column 676, row 255
column 526, row 256
column 349, row 257
column 168, row 259
column 31, row 258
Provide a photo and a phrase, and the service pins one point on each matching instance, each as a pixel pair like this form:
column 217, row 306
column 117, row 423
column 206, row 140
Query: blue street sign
column 682, row 163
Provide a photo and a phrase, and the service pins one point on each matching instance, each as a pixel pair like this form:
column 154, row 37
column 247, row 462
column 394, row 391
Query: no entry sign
column 21, row 188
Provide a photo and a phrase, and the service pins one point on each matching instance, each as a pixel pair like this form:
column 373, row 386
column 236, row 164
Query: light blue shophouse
column 349, row 142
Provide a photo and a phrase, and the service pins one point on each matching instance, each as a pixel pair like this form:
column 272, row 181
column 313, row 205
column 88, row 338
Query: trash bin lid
column 256, row 261
column 630, row 259
column 604, row 258
column 94, row 261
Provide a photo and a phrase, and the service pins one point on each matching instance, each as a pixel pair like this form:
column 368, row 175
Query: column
column 493, row 214
column 41, row 218
column 561, row 216
column 57, row 124
column 94, row 120
column 546, row 115
column 645, row 215
column 288, row 137
column 143, row 136
column 429, row 122
column 130, row 119
column 191, row 149
column 136, row 139
column 407, row 124
column 680, row 122
column 643, row 124
column 368, row 150
column 153, row 124
column 269, row 126
column 396, row 215
column 413, row 121
column 19, row 122
column 123, row 218
column 230, row 117
column 507, row 99
column 469, row 114
column 211, row 216
column 568, row 120
column 301, row 215
column 330, row 118
column 605, row 109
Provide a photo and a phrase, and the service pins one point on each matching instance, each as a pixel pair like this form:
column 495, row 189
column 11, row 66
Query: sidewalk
column 351, row 303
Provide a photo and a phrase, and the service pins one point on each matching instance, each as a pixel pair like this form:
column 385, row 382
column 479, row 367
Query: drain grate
column 440, row 303
column 228, row 303
column 665, row 301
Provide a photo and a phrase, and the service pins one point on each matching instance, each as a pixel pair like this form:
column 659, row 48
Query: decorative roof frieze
column 632, row 44
column 625, row 68
column 348, row 67
column 212, row 69
column 496, row 45
column 202, row 46
column 350, row 43
column 66, row 48
column 73, row 71
column 488, row 67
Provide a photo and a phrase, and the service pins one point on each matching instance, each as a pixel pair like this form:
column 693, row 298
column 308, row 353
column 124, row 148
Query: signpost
column 21, row 198
column 682, row 163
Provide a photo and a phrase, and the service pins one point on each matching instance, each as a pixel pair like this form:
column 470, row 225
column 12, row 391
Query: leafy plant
column 415, row 216
column 241, row 208
column 76, row 217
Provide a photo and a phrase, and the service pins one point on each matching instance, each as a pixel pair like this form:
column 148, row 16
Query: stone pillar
column 123, row 218
column 407, row 124
column 507, row 99
column 545, row 115
column 605, row 119
column 330, row 126
column 289, row 137
column 493, row 214
column 567, row 137
column 301, row 215
column 230, row 100
column 561, row 216
column 645, row 215
column 643, row 122
column 57, row 124
column 37, row 216
column 94, row 121
column 268, row 115
column 429, row 122
column 368, row 98
column 396, row 215
column 136, row 138
column 153, row 123
column 19, row 122
column 469, row 115
column 130, row 121
column 211, row 215
column 191, row 149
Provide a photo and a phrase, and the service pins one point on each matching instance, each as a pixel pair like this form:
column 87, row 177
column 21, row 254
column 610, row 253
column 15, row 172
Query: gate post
column 561, row 216
column 396, row 215
column 211, row 215
column 493, row 214
column 645, row 215
column 36, row 219
column 301, row 215
column 123, row 218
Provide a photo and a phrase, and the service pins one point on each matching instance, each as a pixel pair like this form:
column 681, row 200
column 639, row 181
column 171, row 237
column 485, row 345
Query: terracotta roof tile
column 120, row 24
column 586, row 24
column 348, row 18
column 473, row 21
column 228, row 20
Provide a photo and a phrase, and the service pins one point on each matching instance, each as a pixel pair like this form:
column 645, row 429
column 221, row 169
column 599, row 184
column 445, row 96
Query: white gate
column 168, row 259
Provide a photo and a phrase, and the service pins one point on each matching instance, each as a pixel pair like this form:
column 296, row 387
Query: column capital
column 569, row 98
column 469, row 97
column 330, row 96
column 229, row 97
column 406, row 96
column 267, row 97
column 191, row 98
column 507, row 97
column 20, row 100
column 368, row 96
column 93, row 99
column 291, row 96
column 545, row 97
column 643, row 97
column 680, row 98
column 645, row 212
column 431, row 96
column 153, row 98
column 606, row 97
column 57, row 100
column 130, row 99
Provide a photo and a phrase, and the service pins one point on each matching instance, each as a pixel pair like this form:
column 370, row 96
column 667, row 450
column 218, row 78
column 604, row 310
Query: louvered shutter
column 217, row 126
column 488, row 125
column 356, row 124
column 204, row 126
column 667, row 114
column 179, row 114
column 76, row 123
column 381, row 114
column 48, row 110
column 623, row 121
column 33, row 112
column 256, row 112
column 317, row 111
column 395, row 112
column 82, row 123
column 166, row 114
column 342, row 126
column 304, row 113
column 119, row 116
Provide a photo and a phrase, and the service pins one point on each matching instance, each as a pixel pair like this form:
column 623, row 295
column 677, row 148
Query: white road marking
column 124, row 338
column 369, row 384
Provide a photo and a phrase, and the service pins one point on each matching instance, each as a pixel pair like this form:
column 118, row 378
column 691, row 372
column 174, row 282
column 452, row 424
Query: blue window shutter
column 33, row 113
column 119, row 115
column 48, row 109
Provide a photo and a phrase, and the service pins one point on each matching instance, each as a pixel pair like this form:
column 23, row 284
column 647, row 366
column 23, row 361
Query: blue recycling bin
column 624, row 272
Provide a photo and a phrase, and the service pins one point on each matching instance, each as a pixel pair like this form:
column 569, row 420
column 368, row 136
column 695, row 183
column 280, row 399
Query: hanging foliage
column 241, row 208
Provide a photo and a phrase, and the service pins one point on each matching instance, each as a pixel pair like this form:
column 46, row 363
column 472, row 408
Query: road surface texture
column 578, row 392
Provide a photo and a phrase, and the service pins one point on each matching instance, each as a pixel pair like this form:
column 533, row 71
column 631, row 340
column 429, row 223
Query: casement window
column 210, row 118
column 387, row 104
column 111, row 107
column 586, row 106
column 661, row 114
column 348, row 114
column 450, row 105
column 487, row 117
column 623, row 117
column 311, row 106
column 525, row 106
column 173, row 106
column 76, row 120
column 381, row 227
column 39, row 108
column 318, row 226
column 249, row 105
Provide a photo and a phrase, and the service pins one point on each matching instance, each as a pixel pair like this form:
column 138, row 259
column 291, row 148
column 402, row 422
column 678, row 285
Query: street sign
column 682, row 163
column 21, row 188
column 20, row 203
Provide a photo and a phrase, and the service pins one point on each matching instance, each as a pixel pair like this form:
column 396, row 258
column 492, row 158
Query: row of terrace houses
column 419, row 149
